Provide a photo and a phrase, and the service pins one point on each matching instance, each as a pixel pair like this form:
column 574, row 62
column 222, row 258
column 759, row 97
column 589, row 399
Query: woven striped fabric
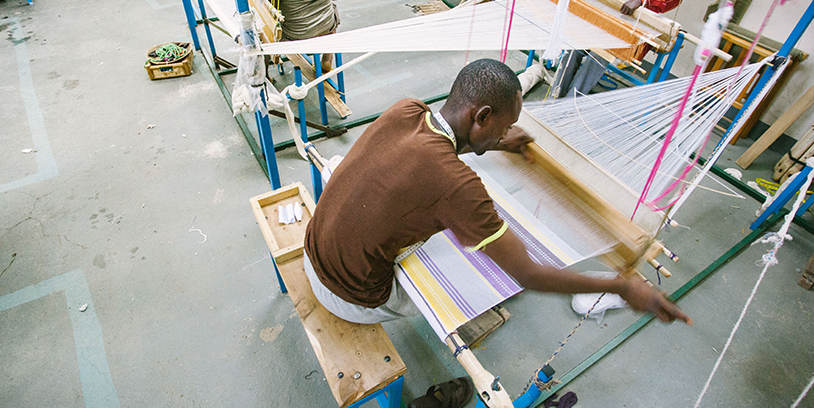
column 452, row 285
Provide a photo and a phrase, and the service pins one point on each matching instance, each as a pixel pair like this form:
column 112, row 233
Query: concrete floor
column 135, row 204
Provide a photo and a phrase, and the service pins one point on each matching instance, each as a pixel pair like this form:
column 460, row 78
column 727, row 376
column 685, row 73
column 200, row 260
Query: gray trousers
column 397, row 306
column 578, row 71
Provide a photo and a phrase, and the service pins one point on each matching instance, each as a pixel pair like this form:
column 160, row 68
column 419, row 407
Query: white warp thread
column 557, row 31
column 803, row 394
column 711, row 34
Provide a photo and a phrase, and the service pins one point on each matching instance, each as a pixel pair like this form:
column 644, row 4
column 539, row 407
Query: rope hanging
column 768, row 260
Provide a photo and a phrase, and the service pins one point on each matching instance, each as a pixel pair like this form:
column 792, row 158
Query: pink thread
column 757, row 37
column 507, row 30
column 667, row 139
column 679, row 180
column 674, row 125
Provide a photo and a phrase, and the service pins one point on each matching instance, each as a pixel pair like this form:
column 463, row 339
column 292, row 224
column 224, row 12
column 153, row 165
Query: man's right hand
column 644, row 298
column 630, row 6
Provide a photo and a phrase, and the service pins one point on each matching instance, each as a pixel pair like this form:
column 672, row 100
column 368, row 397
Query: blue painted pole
column 208, row 34
column 283, row 289
column 530, row 396
column 665, row 72
column 781, row 199
column 656, row 67
column 340, row 77
column 626, row 75
column 192, row 23
column 784, row 51
column 805, row 206
column 531, row 59
column 242, row 5
column 267, row 144
column 323, row 110
column 315, row 176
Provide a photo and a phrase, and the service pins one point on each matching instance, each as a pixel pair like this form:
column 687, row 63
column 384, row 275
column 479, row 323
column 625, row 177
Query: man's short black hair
column 485, row 82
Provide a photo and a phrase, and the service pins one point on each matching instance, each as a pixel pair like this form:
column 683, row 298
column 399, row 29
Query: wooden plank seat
column 359, row 360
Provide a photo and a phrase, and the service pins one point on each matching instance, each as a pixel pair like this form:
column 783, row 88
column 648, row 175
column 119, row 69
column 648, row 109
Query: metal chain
column 535, row 378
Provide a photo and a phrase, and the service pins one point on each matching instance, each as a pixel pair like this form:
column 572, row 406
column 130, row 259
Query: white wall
column 785, row 17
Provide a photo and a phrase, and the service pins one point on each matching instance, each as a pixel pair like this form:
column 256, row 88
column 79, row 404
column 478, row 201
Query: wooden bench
column 359, row 361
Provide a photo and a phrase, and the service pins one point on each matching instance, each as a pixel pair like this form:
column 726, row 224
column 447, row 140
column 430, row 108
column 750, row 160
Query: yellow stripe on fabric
column 529, row 226
column 489, row 239
column 477, row 272
column 441, row 303
column 440, row 132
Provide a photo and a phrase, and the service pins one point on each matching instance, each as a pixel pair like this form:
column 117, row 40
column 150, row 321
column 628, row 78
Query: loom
column 596, row 203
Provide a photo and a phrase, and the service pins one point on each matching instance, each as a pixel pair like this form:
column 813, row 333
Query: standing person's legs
column 569, row 64
column 397, row 306
column 590, row 72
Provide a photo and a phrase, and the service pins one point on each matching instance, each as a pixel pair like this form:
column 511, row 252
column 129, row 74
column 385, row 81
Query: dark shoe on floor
column 451, row 394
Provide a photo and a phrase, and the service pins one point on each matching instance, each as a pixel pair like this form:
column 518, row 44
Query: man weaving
column 402, row 182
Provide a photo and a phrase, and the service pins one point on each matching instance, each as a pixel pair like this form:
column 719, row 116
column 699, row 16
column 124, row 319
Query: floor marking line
column 46, row 165
column 94, row 372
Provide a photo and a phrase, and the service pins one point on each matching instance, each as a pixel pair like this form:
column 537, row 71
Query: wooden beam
column 341, row 346
column 480, row 377
column 331, row 94
column 613, row 25
column 790, row 116
column 269, row 28
column 661, row 24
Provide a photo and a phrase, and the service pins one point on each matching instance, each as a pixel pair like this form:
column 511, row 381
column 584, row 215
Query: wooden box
column 170, row 70
column 284, row 240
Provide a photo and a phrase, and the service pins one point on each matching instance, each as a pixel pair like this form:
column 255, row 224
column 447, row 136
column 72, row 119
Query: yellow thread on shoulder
column 490, row 239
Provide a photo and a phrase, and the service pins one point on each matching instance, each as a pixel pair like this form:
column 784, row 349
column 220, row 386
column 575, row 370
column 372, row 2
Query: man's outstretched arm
column 510, row 254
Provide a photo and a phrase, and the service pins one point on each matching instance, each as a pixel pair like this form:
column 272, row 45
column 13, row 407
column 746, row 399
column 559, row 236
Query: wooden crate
column 171, row 70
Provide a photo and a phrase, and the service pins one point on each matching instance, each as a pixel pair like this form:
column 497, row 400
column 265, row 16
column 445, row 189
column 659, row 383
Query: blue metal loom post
column 315, row 176
column 530, row 396
column 781, row 199
column 656, row 67
column 530, row 60
column 784, row 51
column 340, row 77
column 283, row 289
column 208, row 34
column 665, row 72
column 323, row 110
column 267, row 144
column 387, row 397
column 192, row 23
column 626, row 75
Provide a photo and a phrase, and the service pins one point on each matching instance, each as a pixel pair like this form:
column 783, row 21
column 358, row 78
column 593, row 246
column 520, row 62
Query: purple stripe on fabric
column 534, row 247
column 500, row 281
column 439, row 276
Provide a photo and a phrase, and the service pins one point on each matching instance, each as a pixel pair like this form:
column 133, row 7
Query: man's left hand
column 515, row 141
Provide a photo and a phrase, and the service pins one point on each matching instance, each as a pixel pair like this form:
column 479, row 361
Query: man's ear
column 482, row 115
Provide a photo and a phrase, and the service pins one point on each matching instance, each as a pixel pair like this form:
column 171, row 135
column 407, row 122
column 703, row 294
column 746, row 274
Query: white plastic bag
column 582, row 302
column 251, row 71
